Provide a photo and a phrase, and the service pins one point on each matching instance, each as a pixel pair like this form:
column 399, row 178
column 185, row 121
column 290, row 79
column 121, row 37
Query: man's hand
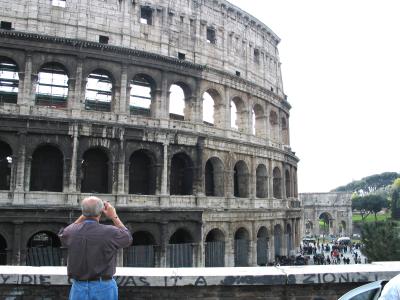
column 109, row 211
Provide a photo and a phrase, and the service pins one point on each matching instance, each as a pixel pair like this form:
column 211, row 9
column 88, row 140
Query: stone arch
column 141, row 254
column 215, row 248
column 261, row 181
column 258, row 127
column 214, row 177
column 262, row 246
column 9, row 80
column 239, row 119
column 142, row 173
column 287, row 184
column 181, row 175
column 241, row 180
column 52, row 85
column 217, row 111
column 180, row 249
column 43, row 249
column 3, row 251
column 242, row 247
column 325, row 223
column 99, row 91
column 47, row 168
column 278, row 240
column 95, row 171
column 285, row 131
column 277, row 183
column 141, row 96
column 179, row 97
column 289, row 238
column 6, row 158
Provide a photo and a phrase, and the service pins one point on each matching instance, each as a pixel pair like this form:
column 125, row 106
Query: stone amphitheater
column 174, row 111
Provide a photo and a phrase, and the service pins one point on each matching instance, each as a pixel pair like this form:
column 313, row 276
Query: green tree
column 369, row 184
column 369, row 204
column 381, row 241
column 394, row 198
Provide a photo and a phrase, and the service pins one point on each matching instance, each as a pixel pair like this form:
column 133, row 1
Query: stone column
column 156, row 110
column 164, row 180
column 24, row 97
column 121, row 163
column 270, row 180
column 17, row 258
column 199, row 172
column 20, row 170
column 271, row 252
column 122, row 104
column 253, row 247
column 253, row 179
column 163, row 244
column 227, row 110
column 74, row 160
column 75, row 91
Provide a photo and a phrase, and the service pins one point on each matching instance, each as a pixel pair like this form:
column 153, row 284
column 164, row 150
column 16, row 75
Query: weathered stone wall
column 300, row 283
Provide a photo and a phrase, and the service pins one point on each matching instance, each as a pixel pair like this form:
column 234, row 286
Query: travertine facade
column 332, row 208
column 87, row 105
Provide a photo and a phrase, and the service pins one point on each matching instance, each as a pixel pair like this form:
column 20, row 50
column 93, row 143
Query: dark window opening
column 215, row 249
column 262, row 246
column 257, row 56
column 146, row 15
column 272, row 89
column 180, row 249
column 52, row 86
column 287, row 184
column 277, row 240
column 242, row 247
column 277, row 181
column 261, row 181
column 43, row 250
column 241, row 180
column 209, row 178
column 103, row 39
column 98, row 92
column 142, row 174
column 181, row 55
column 181, row 175
column 9, row 81
column 140, row 96
column 211, row 35
column 214, row 178
column 6, row 25
column 237, row 73
column 142, row 252
column 94, row 172
column 3, row 251
column 5, row 166
column 47, row 170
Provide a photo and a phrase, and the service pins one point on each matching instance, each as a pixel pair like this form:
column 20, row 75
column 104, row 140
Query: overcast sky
column 341, row 72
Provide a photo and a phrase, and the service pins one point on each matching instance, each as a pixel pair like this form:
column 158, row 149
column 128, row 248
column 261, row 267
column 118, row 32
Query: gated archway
column 181, row 175
column 5, row 166
column 43, row 249
column 262, row 246
column 142, row 174
column 47, row 169
column 215, row 249
column 141, row 253
column 214, row 177
column 180, row 249
column 3, row 251
column 241, row 180
column 95, row 171
column 242, row 248
column 278, row 240
column 261, row 181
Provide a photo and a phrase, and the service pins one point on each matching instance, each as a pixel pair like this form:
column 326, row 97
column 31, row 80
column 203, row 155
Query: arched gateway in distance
column 173, row 111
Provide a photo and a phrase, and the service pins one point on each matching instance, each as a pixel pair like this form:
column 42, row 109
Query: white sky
column 341, row 72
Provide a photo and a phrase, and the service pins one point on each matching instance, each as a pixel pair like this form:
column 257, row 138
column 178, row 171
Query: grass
column 371, row 218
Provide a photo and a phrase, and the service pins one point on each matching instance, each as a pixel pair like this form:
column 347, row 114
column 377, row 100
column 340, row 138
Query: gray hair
column 92, row 206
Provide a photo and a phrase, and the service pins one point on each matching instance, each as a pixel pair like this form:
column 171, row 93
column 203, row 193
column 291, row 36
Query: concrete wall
column 309, row 282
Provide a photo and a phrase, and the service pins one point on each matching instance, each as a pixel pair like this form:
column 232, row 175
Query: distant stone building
column 172, row 110
column 327, row 214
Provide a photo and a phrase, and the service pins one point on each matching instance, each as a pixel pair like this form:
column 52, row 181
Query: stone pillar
column 20, row 169
column 74, row 159
column 164, row 179
column 156, row 110
column 229, row 249
column 253, row 246
column 199, row 170
column 253, row 178
column 121, row 164
column 163, row 244
column 122, row 104
column 271, row 252
column 270, row 180
column 17, row 258
column 25, row 96
column 227, row 110
column 75, row 91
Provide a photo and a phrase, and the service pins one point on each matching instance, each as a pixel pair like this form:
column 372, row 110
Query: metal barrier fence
column 241, row 253
column 140, row 256
column 262, row 252
column 180, row 255
column 215, row 254
column 43, row 256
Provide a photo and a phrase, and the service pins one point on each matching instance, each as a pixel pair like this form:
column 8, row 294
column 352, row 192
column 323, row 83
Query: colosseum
column 174, row 111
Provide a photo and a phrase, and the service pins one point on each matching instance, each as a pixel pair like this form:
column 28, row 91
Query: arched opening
column 238, row 114
column 289, row 239
column 277, row 183
column 176, row 103
column 208, row 109
column 99, row 91
column 181, row 176
column 287, row 184
column 278, row 240
column 214, row 177
column 285, row 132
column 47, row 169
column 262, row 246
column 325, row 223
column 142, row 174
column 258, row 120
column 180, row 249
column 9, row 81
column 3, row 251
column 215, row 249
column 242, row 248
column 261, row 181
column 52, row 86
column 141, row 95
column 241, row 180
column 141, row 254
column 5, row 166
column 95, row 172
column 43, row 250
